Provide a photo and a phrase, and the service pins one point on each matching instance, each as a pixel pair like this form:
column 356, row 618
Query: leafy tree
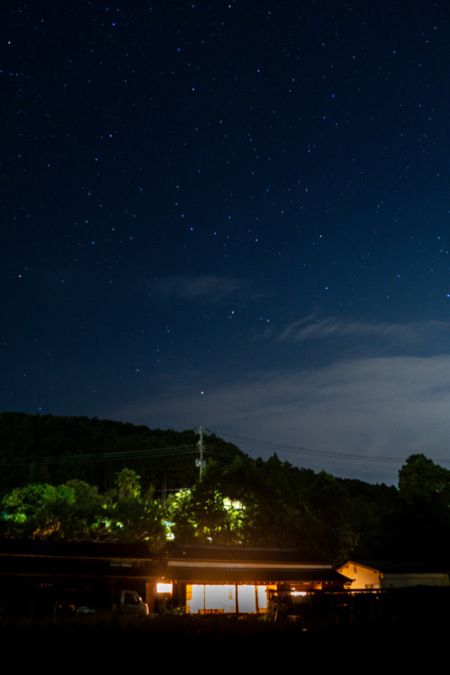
column 128, row 485
column 35, row 511
column 82, row 515
column 370, row 513
column 75, row 511
column 130, row 517
column 421, row 480
column 329, row 531
column 422, row 521
column 204, row 515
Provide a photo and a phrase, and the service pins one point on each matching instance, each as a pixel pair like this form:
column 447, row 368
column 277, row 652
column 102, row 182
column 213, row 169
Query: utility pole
column 200, row 462
column 164, row 490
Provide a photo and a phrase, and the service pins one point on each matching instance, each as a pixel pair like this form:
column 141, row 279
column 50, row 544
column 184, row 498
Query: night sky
column 233, row 214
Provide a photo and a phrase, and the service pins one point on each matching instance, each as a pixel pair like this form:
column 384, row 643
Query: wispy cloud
column 387, row 407
column 205, row 287
column 314, row 329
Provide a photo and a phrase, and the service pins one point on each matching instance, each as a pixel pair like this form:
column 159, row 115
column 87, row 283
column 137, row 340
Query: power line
column 316, row 453
column 102, row 457
column 152, row 453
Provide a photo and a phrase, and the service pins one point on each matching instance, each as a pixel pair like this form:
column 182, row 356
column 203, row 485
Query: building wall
column 364, row 578
column 408, row 580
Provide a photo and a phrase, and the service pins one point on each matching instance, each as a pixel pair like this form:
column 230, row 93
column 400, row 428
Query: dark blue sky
column 232, row 214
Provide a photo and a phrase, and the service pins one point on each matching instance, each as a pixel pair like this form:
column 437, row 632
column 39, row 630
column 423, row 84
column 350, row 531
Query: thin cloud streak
column 313, row 329
column 193, row 288
column 389, row 407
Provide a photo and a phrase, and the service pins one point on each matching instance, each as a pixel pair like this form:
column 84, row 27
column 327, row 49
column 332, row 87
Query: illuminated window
column 221, row 599
column 262, row 597
column 247, row 599
column 163, row 588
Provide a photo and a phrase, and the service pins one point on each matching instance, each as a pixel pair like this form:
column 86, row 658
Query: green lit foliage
column 69, row 511
column 217, row 519
column 128, row 484
column 247, row 502
column 52, row 494
column 28, row 510
column 75, row 511
column 271, row 512
column 130, row 517
column 178, row 518
column 82, row 514
column 288, row 507
column 205, row 515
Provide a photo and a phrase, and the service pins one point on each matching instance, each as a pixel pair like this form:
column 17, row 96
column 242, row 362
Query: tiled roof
column 260, row 575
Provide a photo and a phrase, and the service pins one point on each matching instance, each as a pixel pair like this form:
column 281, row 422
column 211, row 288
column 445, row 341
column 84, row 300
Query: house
column 204, row 579
column 370, row 575
column 363, row 575
column 37, row 576
column 226, row 579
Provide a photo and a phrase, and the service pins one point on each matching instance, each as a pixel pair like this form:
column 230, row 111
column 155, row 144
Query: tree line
column 125, row 489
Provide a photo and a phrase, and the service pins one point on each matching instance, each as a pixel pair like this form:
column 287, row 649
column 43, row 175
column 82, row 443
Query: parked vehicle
column 128, row 602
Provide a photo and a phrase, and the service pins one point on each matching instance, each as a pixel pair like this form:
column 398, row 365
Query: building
column 374, row 575
column 204, row 579
column 239, row 580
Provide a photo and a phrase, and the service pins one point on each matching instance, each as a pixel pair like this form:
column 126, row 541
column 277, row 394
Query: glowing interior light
column 164, row 588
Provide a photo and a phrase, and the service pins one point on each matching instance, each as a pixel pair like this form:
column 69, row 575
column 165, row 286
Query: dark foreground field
column 205, row 643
